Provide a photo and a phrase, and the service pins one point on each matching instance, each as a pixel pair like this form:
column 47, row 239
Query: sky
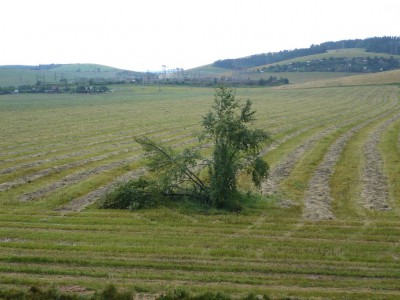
column 143, row 35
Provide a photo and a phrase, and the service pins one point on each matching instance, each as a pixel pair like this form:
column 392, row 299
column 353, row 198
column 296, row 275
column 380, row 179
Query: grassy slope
column 294, row 77
column 267, row 249
column 16, row 77
column 348, row 53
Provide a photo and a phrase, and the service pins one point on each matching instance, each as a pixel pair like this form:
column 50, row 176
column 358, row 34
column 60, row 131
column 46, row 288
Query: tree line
column 40, row 88
column 340, row 64
column 386, row 44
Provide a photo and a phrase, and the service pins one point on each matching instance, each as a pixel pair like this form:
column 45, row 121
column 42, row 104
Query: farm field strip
column 148, row 261
column 79, row 176
column 118, row 141
column 373, row 92
column 375, row 192
column 283, row 169
column 45, row 172
column 78, row 204
column 81, row 203
column 50, row 233
column 317, row 200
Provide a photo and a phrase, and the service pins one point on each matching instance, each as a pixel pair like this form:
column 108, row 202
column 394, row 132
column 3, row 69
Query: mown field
column 328, row 225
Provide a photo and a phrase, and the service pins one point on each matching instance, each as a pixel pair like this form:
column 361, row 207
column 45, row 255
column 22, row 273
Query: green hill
column 22, row 75
column 349, row 53
column 310, row 68
column 387, row 45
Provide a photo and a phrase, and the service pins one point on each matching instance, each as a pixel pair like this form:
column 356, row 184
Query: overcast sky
column 143, row 35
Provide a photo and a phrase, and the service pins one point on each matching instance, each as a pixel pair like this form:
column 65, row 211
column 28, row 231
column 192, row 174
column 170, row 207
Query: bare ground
column 375, row 193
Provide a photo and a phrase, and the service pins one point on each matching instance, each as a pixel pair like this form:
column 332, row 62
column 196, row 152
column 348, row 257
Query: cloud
column 144, row 35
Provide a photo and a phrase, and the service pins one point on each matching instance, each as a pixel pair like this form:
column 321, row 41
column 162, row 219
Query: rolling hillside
column 25, row 75
column 298, row 77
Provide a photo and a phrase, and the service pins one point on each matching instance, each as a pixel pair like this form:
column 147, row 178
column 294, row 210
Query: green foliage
column 384, row 44
column 111, row 293
column 338, row 64
column 36, row 293
column 236, row 147
column 135, row 194
column 173, row 169
column 182, row 294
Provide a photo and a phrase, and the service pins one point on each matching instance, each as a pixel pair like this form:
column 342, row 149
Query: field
column 327, row 226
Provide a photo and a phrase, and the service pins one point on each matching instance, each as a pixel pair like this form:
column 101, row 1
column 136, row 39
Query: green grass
column 390, row 149
column 266, row 249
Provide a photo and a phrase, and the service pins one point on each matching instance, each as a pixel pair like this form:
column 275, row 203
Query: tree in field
column 175, row 175
column 236, row 146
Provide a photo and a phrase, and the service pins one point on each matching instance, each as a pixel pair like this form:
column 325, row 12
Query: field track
column 328, row 226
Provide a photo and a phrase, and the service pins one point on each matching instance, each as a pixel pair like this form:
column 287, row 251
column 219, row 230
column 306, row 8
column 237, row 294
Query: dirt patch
column 375, row 194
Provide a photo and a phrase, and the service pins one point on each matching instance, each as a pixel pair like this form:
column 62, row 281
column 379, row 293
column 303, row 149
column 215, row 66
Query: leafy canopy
column 176, row 175
column 236, row 146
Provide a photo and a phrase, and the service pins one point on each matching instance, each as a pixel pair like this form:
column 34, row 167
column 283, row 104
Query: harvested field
column 60, row 153
column 375, row 194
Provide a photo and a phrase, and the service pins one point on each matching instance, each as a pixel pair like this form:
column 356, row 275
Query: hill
column 17, row 75
column 387, row 45
column 330, row 65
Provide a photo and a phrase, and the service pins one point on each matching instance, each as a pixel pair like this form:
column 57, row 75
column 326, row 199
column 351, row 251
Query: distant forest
column 388, row 45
